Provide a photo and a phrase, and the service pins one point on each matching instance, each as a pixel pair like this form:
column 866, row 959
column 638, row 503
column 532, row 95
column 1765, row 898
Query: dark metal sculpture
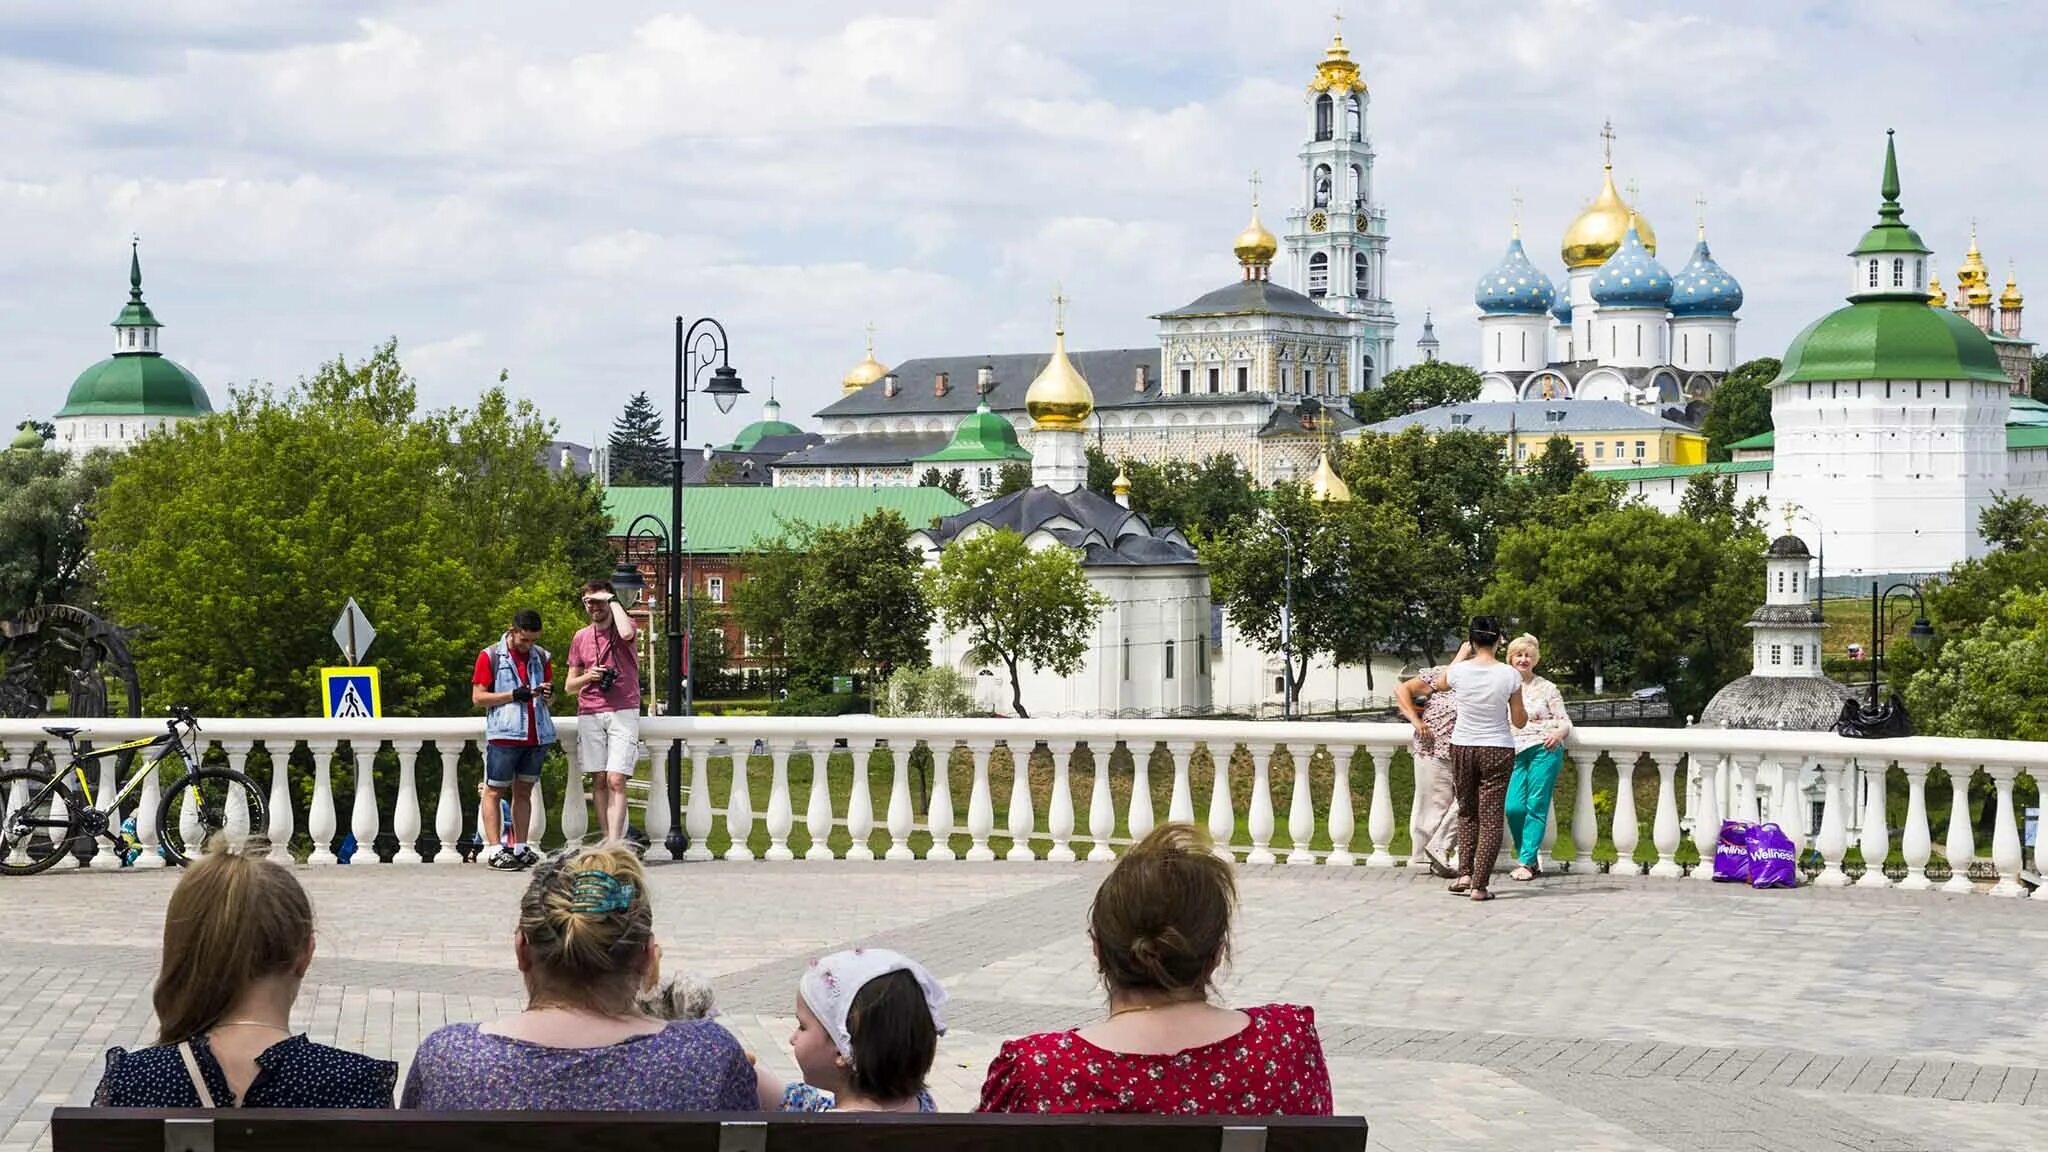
column 53, row 640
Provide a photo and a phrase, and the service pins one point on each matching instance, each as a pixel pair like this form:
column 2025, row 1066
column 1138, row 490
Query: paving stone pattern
column 1594, row 1012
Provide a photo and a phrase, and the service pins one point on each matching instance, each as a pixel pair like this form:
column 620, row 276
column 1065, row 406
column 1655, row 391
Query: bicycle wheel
column 37, row 821
column 207, row 803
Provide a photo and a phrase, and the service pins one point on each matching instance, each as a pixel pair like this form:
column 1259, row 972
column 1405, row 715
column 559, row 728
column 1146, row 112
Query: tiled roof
column 1247, row 296
column 721, row 520
column 868, row 448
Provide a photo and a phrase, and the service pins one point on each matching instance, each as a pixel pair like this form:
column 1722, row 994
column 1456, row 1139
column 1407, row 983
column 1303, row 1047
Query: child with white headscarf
column 868, row 1024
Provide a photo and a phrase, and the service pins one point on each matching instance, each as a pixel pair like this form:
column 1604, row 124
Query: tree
column 1963, row 602
column 1414, row 388
column 1740, row 407
column 233, row 540
column 1015, row 477
column 860, row 603
column 935, row 691
column 1983, row 683
column 640, row 453
column 765, row 602
column 1553, row 470
column 1101, row 472
column 45, row 553
column 2037, row 380
column 43, row 428
column 1198, row 499
column 952, row 482
column 1016, row 605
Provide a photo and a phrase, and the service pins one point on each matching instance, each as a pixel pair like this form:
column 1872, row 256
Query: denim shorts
column 504, row 763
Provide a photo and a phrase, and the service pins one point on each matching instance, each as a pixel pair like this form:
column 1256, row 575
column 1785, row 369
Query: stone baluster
column 1059, row 815
column 1916, row 843
column 189, row 828
column 818, row 810
column 1877, row 839
column 1418, row 788
column 1301, row 809
column 1222, row 809
column 900, row 813
column 739, row 808
column 2005, row 834
column 860, row 807
column 536, row 816
column 2040, row 840
column 697, row 815
column 104, row 858
column 1706, row 821
column 1138, row 821
column 320, row 814
column 405, row 812
column 447, row 804
column 17, row 798
column 939, row 815
column 1102, row 806
column 655, row 817
column 1962, row 839
column 781, row 816
column 1586, row 818
column 1379, row 824
column 1625, row 833
column 283, row 823
column 1791, row 807
column 1342, row 825
column 981, row 813
column 237, row 826
column 576, row 806
column 1543, row 850
column 362, row 814
column 59, row 810
column 1180, row 808
column 1746, row 807
column 1023, row 819
column 1834, row 833
column 1665, row 833
column 1260, row 821
column 146, row 809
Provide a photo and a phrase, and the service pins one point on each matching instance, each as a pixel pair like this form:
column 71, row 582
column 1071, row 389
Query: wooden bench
column 265, row 1130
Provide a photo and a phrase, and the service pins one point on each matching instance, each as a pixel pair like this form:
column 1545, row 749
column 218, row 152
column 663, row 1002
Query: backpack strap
column 192, row 1070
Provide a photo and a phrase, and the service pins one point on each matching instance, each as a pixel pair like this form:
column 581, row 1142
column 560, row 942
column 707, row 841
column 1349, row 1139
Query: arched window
column 1361, row 275
column 1357, row 186
column 1169, row 660
column 1322, row 192
column 1873, row 274
column 1319, row 275
column 1898, row 271
column 130, row 334
column 1919, row 270
column 1354, row 118
column 1325, row 110
column 1366, row 374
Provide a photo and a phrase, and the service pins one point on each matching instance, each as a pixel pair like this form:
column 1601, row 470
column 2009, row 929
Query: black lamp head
column 1921, row 634
column 725, row 387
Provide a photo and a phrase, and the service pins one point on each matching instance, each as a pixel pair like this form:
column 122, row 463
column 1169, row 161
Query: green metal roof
column 771, row 423
column 2024, row 411
column 982, row 436
column 744, row 519
column 135, row 314
column 1890, row 235
column 1890, row 339
column 1760, row 440
column 1679, row 471
column 2024, row 436
column 136, row 384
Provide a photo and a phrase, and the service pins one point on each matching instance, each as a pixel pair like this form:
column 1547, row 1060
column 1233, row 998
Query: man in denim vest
column 514, row 682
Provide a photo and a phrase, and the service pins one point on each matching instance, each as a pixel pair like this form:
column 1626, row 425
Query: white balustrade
column 2040, row 840
column 60, row 810
column 1876, row 842
column 1259, row 823
column 537, row 815
column 362, row 815
column 817, row 812
column 1059, row 815
column 655, row 817
column 17, row 798
column 1180, row 807
column 235, row 810
column 1301, row 811
column 405, row 815
column 697, row 817
column 780, row 815
column 1747, row 809
column 320, row 812
column 1791, row 813
column 739, row 806
column 447, row 807
column 939, row 813
column 1625, row 832
column 1586, row 819
column 1915, row 842
column 2005, row 834
column 1342, row 826
column 1139, row 819
column 1665, row 832
column 146, row 809
column 1379, row 823
column 1961, row 847
column 1023, row 819
column 1706, row 819
column 860, row 807
column 576, row 805
column 1102, row 804
column 1222, row 812
column 1834, row 833
column 981, row 813
column 104, row 859
column 900, row 814
column 1549, row 838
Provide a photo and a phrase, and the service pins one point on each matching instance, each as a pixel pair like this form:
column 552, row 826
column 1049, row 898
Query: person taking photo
column 606, row 679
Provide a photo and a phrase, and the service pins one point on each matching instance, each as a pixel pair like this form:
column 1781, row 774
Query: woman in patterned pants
column 1489, row 695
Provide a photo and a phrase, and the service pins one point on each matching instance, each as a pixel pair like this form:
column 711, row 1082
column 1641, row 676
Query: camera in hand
column 606, row 677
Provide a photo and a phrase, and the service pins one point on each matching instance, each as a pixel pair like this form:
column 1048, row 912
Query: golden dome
column 1255, row 245
column 866, row 372
column 1597, row 233
column 1059, row 399
column 2011, row 298
column 1935, row 296
column 1338, row 70
column 1973, row 280
column 1326, row 487
column 1121, row 486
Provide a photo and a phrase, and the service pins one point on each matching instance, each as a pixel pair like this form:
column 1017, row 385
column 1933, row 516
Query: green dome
column 982, row 436
column 136, row 385
column 1890, row 339
column 760, row 430
column 28, row 440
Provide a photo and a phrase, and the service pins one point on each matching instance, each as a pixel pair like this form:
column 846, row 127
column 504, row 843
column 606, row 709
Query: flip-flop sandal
column 1459, row 887
column 1524, row 874
column 1481, row 894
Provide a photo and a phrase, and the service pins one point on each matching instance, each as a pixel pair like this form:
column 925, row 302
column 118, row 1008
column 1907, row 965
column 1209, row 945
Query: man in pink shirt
column 605, row 676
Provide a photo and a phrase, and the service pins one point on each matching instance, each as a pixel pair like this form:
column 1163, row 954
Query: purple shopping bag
column 1773, row 861
column 1731, row 856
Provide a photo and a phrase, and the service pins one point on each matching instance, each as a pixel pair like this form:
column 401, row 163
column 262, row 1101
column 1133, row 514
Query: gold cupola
column 1325, row 486
column 864, row 373
column 1337, row 70
column 1973, row 280
column 1936, row 298
column 1059, row 399
column 1598, row 231
column 2011, row 298
column 1255, row 247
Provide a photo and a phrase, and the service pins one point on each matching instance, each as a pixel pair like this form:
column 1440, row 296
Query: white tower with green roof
column 1890, row 414
column 133, row 392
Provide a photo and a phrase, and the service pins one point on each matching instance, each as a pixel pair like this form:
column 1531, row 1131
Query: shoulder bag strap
column 192, row 1070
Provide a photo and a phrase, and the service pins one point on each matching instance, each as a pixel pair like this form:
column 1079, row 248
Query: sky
column 540, row 189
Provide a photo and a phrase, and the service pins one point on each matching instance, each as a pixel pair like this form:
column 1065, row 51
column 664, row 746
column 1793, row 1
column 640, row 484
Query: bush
column 805, row 701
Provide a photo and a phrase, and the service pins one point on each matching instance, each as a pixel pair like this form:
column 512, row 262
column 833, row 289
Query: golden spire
column 1325, row 486
column 1337, row 70
column 2010, row 299
column 1255, row 247
column 1059, row 399
column 867, row 371
column 1935, row 296
column 1973, row 280
column 1598, row 231
column 1121, row 486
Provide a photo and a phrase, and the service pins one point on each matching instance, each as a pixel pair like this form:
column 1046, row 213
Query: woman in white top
column 1489, row 695
column 1539, row 753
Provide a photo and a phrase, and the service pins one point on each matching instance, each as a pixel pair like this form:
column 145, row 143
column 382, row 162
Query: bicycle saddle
column 63, row 733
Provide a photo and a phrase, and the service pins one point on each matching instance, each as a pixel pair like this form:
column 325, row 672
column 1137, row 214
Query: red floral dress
column 1273, row 1067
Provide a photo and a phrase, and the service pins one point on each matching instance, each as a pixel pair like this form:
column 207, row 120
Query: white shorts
column 608, row 741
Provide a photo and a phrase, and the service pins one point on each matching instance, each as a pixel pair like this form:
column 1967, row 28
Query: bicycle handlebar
column 182, row 714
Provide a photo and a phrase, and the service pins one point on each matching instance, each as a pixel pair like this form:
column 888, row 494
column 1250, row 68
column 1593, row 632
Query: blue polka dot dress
column 292, row 1073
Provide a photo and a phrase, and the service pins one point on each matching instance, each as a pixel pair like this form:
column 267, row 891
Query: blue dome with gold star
column 1515, row 287
column 1632, row 278
column 1703, row 287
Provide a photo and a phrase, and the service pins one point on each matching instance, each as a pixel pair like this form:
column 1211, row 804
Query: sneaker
column 528, row 856
column 502, row 860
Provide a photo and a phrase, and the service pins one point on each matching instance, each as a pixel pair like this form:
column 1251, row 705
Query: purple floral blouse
column 690, row 1066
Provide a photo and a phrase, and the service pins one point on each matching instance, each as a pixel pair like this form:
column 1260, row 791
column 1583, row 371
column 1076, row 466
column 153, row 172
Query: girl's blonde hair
column 1524, row 643
column 586, row 922
column 234, row 918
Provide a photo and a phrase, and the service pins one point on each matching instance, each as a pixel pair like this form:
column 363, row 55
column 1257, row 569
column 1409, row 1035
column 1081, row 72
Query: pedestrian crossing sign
column 350, row 694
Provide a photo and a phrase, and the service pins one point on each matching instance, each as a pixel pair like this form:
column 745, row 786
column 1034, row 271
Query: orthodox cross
column 1607, row 141
column 1699, row 204
column 1255, row 189
column 1517, row 218
column 871, row 337
column 1059, row 309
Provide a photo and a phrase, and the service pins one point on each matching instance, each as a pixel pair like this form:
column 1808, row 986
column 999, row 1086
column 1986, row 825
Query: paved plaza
column 1579, row 1013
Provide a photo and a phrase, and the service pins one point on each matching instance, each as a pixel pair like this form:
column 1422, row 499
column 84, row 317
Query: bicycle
column 41, row 814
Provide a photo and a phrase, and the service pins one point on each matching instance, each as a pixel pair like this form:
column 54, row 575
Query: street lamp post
column 1287, row 626
column 1921, row 633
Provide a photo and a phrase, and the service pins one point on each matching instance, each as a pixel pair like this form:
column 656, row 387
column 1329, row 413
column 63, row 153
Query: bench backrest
column 278, row 1130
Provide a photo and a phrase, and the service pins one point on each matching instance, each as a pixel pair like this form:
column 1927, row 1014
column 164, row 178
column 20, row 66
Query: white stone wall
column 1247, row 681
column 1513, row 343
column 1703, row 343
column 81, row 434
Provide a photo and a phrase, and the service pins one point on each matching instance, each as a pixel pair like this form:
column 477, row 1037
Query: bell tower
column 1337, row 237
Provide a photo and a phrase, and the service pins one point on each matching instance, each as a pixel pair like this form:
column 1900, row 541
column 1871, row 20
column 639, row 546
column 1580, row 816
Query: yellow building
column 1606, row 433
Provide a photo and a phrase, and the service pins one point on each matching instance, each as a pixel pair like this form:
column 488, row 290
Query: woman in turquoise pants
column 1539, row 753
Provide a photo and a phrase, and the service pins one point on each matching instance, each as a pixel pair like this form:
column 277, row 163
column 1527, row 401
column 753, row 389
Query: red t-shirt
column 1274, row 1067
column 488, row 680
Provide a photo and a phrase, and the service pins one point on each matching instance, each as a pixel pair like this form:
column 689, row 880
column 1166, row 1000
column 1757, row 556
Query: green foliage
column 1741, row 406
column 1015, row 477
column 1414, row 388
column 952, row 482
column 1986, row 682
column 1101, row 472
column 2014, row 523
column 639, row 447
column 44, row 428
column 45, row 556
column 235, row 540
column 833, row 600
column 1198, row 499
column 1016, row 605
column 2037, row 379
column 934, row 691
column 1555, row 469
